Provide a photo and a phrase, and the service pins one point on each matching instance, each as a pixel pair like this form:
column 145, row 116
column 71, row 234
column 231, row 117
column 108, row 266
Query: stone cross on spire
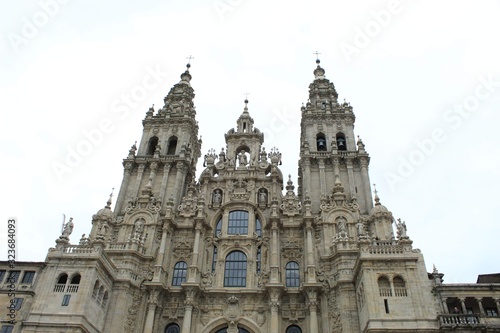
column 317, row 55
column 189, row 59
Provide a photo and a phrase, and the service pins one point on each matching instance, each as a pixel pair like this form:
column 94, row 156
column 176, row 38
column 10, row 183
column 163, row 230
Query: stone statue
column 401, row 226
column 242, row 158
column 361, row 229
column 262, row 196
column 138, row 225
column 217, row 198
column 68, row 228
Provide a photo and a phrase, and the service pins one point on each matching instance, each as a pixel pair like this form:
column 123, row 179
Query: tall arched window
column 76, row 279
column 384, row 287
column 218, row 228
column 238, row 223
column 258, row 227
column 341, row 141
column 235, row 273
column 153, row 142
column 321, row 142
column 399, row 287
column 293, row 329
column 62, row 279
column 172, row 145
column 172, row 328
column 292, row 274
column 180, row 272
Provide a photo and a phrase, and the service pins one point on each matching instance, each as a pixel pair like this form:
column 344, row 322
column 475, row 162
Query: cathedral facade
column 241, row 248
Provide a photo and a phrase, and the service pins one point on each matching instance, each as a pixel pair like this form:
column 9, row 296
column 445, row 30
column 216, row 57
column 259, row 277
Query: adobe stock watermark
column 453, row 119
column 365, row 35
column 31, row 26
column 279, row 121
column 121, row 108
column 224, row 6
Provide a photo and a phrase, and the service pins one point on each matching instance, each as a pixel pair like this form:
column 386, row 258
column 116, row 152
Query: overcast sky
column 423, row 78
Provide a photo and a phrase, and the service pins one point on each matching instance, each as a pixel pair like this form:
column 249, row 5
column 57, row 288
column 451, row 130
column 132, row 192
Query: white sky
column 71, row 72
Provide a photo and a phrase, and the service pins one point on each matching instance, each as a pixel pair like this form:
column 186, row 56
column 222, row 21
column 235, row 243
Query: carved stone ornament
column 233, row 307
column 292, row 250
column 182, row 250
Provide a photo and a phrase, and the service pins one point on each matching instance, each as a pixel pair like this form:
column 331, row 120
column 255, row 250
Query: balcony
column 460, row 320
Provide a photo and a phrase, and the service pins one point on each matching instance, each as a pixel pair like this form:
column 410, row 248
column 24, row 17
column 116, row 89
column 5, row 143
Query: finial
column 108, row 204
column 377, row 199
column 317, row 57
column 246, row 97
column 189, row 61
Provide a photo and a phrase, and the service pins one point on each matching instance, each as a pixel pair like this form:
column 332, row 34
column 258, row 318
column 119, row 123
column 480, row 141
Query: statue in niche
column 262, row 196
column 217, row 197
column 242, row 158
column 138, row 226
column 361, row 229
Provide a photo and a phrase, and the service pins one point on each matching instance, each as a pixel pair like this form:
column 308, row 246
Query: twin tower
column 239, row 249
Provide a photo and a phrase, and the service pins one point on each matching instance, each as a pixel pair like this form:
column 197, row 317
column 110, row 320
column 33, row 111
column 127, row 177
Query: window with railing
column 399, row 287
column 384, row 287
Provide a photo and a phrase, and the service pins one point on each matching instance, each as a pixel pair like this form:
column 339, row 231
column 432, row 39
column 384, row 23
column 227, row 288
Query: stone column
column 313, row 310
column 158, row 272
column 307, row 176
column 322, row 178
column 194, row 263
column 462, row 304
column 311, row 270
column 188, row 312
column 274, row 253
column 138, row 180
column 123, row 189
column 366, row 183
column 350, row 174
column 150, row 315
column 178, row 183
column 274, row 295
column 445, row 307
column 480, row 303
column 163, row 188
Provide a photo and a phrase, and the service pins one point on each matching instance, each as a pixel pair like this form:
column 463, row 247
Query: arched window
column 293, row 329
column 292, row 274
column 321, row 142
column 258, row 227
column 100, row 295
column 172, row 145
column 399, row 287
column 172, row 328
column 96, row 289
column 214, row 259
column 240, row 330
column 179, row 275
column 238, row 223
column 341, row 141
column 153, row 142
column 235, row 274
column 384, row 287
column 63, row 279
column 105, row 299
column 76, row 279
column 218, row 228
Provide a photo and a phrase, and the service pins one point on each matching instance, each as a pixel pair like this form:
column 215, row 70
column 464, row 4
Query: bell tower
column 330, row 156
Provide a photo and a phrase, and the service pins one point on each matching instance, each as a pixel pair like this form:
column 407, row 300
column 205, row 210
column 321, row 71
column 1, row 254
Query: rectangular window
column 2, row 275
column 13, row 276
column 65, row 301
column 28, row 277
column 491, row 312
column 18, row 302
column 238, row 223
column 386, row 304
column 6, row 329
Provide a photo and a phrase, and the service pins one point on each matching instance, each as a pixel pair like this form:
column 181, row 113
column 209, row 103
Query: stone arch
column 172, row 145
column 321, row 142
column 152, row 143
column 341, row 141
column 219, row 323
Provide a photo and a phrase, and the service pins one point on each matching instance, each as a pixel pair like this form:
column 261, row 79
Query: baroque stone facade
column 238, row 250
